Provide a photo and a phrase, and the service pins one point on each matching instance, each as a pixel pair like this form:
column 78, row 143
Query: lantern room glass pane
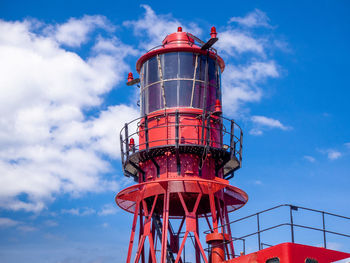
column 212, row 72
column 187, row 65
column 154, row 96
column 198, row 97
column 170, row 88
column 142, row 103
column 170, row 65
column 211, row 98
column 152, row 71
column 185, row 93
column 200, row 73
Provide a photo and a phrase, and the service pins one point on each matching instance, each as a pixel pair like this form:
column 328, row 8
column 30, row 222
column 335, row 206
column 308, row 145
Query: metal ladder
column 158, row 224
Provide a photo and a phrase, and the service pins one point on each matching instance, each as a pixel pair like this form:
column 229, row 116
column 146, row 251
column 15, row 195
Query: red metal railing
column 290, row 224
column 211, row 132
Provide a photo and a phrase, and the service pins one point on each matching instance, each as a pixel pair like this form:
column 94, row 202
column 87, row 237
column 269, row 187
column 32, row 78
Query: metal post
column 126, row 141
column 121, row 149
column 240, row 149
column 324, row 231
column 291, row 223
column 232, row 134
column 244, row 246
column 257, row 217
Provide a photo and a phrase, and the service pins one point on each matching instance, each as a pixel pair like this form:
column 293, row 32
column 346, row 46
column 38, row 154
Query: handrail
column 219, row 133
column 290, row 224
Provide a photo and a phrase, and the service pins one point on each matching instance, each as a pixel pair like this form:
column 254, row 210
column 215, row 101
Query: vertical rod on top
column 324, row 231
column 291, row 223
column 258, row 222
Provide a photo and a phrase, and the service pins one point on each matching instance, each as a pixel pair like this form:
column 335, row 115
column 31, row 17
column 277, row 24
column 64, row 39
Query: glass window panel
column 187, row 63
column 185, row 92
column 171, row 93
column 142, row 76
column 212, row 72
column 142, row 103
column 211, row 98
column 311, row 260
column 154, row 95
column 200, row 74
column 152, row 70
column 170, row 65
column 198, row 95
column 146, row 101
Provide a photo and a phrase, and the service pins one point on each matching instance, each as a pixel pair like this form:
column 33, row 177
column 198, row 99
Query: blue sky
column 63, row 99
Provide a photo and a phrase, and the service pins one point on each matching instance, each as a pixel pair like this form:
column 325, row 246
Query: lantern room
column 180, row 74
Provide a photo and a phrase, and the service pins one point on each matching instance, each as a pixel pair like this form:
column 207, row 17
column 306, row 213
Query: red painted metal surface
column 162, row 128
column 292, row 253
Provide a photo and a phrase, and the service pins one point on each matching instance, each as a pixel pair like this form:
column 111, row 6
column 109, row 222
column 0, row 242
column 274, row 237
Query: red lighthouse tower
column 181, row 152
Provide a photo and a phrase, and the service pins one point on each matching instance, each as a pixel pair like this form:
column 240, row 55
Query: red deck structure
column 181, row 152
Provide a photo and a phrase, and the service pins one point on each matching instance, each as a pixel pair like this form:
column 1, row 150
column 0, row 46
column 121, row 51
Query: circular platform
column 232, row 197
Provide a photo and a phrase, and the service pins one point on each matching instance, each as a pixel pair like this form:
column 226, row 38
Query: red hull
column 292, row 253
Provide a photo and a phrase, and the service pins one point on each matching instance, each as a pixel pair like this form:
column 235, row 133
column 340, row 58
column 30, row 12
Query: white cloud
column 108, row 209
column 255, row 132
column 309, row 158
column 235, row 42
column 262, row 123
column 79, row 211
column 51, row 223
column 25, row 228
column 240, row 83
column 155, row 27
column 333, row 154
column 268, row 122
column 7, row 222
column 257, row 18
column 75, row 32
column 48, row 145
